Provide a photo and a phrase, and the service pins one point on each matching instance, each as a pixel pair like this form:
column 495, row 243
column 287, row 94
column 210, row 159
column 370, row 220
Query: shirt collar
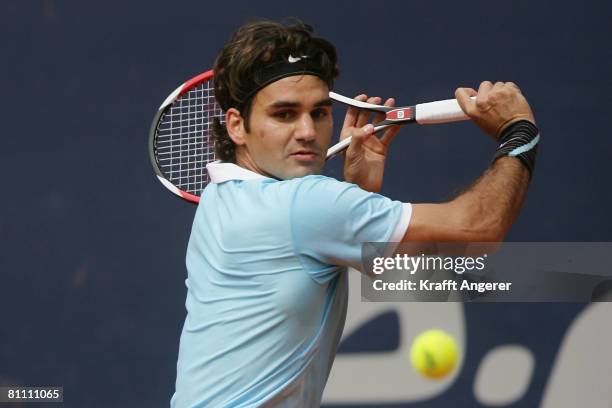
column 220, row 172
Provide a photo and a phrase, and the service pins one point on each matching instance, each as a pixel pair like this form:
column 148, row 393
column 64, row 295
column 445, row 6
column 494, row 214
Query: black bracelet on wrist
column 520, row 140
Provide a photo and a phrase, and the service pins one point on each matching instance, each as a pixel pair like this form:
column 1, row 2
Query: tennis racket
column 181, row 142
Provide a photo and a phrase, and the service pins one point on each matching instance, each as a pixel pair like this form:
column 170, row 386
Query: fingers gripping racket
column 181, row 142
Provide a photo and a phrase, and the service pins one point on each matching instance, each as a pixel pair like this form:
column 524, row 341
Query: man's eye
column 319, row 113
column 283, row 115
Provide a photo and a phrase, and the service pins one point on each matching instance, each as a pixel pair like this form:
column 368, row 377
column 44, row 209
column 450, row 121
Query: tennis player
column 271, row 243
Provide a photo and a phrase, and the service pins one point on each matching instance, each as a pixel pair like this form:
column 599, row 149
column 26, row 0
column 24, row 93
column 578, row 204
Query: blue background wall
column 92, row 248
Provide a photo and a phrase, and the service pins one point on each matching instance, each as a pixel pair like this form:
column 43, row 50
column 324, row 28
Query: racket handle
column 439, row 112
column 425, row 114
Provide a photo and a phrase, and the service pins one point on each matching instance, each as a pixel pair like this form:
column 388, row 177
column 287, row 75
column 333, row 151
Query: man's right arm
column 487, row 209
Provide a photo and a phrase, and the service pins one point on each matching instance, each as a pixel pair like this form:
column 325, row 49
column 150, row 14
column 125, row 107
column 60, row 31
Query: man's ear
column 234, row 123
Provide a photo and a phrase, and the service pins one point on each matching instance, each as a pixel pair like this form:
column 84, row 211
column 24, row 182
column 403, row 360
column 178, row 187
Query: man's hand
column 364, row 160
column 495, row 107
column 487, row 209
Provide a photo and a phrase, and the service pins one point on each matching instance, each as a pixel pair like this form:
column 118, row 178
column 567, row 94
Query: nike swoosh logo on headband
column 293, row 59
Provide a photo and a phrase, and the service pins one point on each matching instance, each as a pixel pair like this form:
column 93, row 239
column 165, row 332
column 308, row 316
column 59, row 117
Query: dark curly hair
column 241, row 64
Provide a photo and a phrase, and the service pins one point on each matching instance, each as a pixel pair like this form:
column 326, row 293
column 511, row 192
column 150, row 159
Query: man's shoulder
column 311, row 190
column 316, row 194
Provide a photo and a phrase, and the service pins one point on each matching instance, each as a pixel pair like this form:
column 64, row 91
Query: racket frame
column 174, row 96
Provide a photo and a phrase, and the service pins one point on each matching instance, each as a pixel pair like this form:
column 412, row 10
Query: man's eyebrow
column 324, row 102
column 293, row 104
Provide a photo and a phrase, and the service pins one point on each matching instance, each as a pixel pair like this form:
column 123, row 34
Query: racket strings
column 184, row 142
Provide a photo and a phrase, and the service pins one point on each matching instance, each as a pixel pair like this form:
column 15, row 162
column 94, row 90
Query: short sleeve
column 330, row 220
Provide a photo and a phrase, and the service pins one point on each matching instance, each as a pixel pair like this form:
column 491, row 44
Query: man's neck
column 244, row 160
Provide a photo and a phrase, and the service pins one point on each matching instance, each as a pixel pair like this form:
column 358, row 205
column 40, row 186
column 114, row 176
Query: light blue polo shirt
column 267, row 288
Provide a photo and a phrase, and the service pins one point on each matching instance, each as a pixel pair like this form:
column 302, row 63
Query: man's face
column 290, row 127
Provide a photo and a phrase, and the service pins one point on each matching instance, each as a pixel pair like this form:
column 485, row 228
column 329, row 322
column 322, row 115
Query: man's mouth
column 305, row 155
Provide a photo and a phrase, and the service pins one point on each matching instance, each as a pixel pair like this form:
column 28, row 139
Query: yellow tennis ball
column 434, row 353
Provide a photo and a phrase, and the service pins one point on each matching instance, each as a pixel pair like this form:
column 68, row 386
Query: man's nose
column 305, row 128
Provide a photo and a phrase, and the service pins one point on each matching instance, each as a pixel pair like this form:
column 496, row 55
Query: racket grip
column 439, row 112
